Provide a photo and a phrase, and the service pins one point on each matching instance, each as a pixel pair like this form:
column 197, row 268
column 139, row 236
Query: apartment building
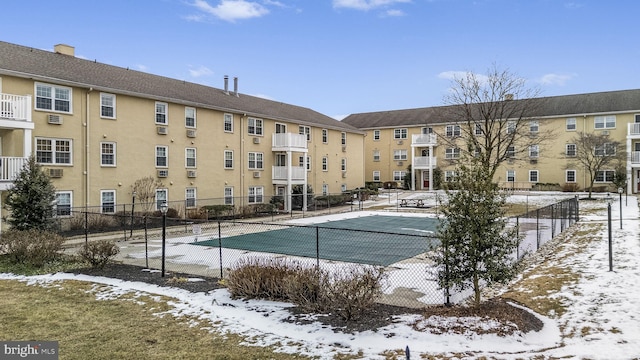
column 416, row 137
column 97, row 128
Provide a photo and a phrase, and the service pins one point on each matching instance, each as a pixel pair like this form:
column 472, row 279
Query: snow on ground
column 602, row 320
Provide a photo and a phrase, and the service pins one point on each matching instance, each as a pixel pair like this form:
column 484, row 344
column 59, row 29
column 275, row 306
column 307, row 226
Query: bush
column 98, row 253
column 31, row 247
column 349, row 293
column 570, row 187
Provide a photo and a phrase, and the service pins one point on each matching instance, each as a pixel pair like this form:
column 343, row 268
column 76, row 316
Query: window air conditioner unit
column 400, row 142
column 256, row 174
column 605, row 132
column 54, row 119
column 191, row 133
column 344, row 148
column 162, row 130
column 163, row 173
column 55, row 173
column 344, row 174
column 256, row 140
column 191, row 173
column 400, row 163
column 533, row 161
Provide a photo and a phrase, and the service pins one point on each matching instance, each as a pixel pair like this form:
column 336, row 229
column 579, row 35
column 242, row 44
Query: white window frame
column 453, row 131
column 228, row 195
column 399, row 175
column 376, row 155
column 64, row 203
column 107, row 207
column 301, row 162
column 376, row 135
column 105, row 154
column 325, row 136
column 255, row 195
column 534, row 126
column 399, row 155
column 604, row 176
column 400, row 133
column 511, row 176
column 532, row 174
column 325, row 189
column 478, row 129
column 325, row 163
column 255, row 160
column 190, row 158
column 570, row 150
column 255, row 126
column 604, row 122
column 162, row 113
column 305, row 130
column 162, row 195
column 575, row 176
column 190, row 196
column 376, row 175
column 343, row 138
column 228, row 123
column 571, row 124
column 56, row 96
column 534, row 151
column 228, row 159
column 511, row 152
column 511, row 127
column 450, row 175
column 452, row 153
column 606, row 149
column 190, row 119
column 159, row 156
column 343, row 164
column 107, row 102
column 54, row 147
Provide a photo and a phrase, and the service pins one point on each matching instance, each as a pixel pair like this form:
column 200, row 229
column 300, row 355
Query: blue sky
column 346, row 56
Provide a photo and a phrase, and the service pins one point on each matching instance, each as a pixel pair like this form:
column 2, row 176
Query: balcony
column 424, row 140
column 9, row 169
column 289, row 142
column 635, row 157
column 15, row 111
column 281, row 174
column 424, row 162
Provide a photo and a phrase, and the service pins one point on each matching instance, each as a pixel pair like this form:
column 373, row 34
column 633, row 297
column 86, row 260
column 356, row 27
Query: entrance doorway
column 425, row 179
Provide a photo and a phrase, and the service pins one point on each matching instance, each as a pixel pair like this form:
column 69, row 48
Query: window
column 570, row 176
column 534, row 151
column 190, row 197
column 452, row 130
column 190, row 157
column 162, row 156
column 53, row 151
column 376, row 135
column 605, row 122
column 228, row 159
column 108, row 154
column 533, row 176
column 256, row 161
column 398, row 175
column 511, row 127
column 107, row 106
column 376, row 176
column 108, row 201
column 63, row 203
column 189, row 117
column 281, row 128
column 606, row 149
column 301, row 162
column 228, row 123
column 325, row 189
column 511, row 175
column 228, row 195
column 450, row 175
column 325, row 163
column 343, row 138
column 571, row 124
column 605, row 176
column 570, row 150
column 478, row 129
column 325, row 136
column 343, row 164
column 400, row 154
column 53, row 98
column 161, row 113
column 255, row 194
column 511, row 152
column 534, row 126
column 399, row 133
column 254, row 126
column 161, row 197
column 426, row 130
column 452, row 153
column 305, row 130
column 343, row 187
column 376, row 155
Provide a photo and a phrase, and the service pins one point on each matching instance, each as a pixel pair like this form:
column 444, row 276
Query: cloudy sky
column 346, row 56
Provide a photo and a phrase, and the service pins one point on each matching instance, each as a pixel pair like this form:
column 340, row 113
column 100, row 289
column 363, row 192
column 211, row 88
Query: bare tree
column 596, row 152
column 494, row 118
column 145, row 189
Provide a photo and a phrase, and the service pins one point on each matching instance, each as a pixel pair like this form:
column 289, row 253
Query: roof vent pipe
column 235, row 86
column 226, row 84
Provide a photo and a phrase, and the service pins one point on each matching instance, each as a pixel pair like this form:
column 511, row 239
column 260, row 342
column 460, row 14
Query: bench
column 412, row 202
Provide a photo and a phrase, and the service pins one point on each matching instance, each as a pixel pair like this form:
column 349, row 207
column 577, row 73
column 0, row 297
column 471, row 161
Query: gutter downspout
column 86, row 152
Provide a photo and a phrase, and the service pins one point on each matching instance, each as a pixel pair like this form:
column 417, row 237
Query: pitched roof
column 69, row 70
column 553, row 106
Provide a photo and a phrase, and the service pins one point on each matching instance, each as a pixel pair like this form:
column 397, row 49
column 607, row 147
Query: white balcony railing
column 424, row 139
column 282, row 172
column 15, row 107
column 289, row 141
column 424, row 162
column 634, row 129
column 10, row 167
column 635, row 157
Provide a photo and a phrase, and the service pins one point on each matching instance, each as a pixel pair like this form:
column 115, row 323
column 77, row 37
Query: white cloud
column 142, row 67
column 366, row 4
column 451, row 75
column 555, row 79
column 394, row 13
column 232, row 10
column 200, row 71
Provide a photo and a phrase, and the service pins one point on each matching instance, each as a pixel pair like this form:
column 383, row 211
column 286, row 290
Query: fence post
column 537, row 229
column 86, row 225
column 553, row 221
column 146, row 241
column 518, row 232
column 220, row 247
column 317, row 247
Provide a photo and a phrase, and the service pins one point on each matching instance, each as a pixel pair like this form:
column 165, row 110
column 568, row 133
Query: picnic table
column 412, row 202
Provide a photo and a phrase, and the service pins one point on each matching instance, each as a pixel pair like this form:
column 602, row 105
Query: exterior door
column 425, row 179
